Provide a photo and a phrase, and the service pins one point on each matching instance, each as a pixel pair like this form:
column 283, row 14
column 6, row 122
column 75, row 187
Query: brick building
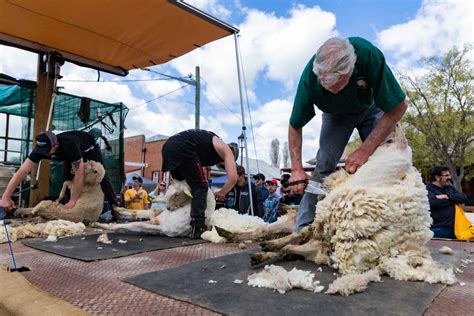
column 143, row 156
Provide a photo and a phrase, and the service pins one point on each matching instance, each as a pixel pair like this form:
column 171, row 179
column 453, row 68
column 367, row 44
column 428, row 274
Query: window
column 155, row 176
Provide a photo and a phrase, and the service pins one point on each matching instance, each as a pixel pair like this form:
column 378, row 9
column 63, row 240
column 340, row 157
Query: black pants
column 95, row 155
column 191, row 171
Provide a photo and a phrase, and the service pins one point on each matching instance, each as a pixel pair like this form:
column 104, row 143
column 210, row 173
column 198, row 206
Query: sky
column 276, row 40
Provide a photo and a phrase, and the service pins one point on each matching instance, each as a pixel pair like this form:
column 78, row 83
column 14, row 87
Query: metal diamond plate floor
column 96, row 287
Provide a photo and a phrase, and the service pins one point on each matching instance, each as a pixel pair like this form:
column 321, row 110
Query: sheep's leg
column 124, row 213
column 66, row 185
column 277, row 244
column 139, row 227
column 261, row 257
column 24, row 212
column 270, row 231
column 313, row 250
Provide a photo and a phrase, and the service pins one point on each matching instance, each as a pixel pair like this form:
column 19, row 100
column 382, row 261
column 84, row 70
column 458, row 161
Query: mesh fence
column 105, row 121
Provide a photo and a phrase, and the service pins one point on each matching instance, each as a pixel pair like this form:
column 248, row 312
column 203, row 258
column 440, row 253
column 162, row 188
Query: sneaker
column 197, row 231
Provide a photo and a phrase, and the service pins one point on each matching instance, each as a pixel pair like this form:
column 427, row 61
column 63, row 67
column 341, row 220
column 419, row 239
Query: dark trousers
column 191, row 171
column 443, row 232
column 94, row 155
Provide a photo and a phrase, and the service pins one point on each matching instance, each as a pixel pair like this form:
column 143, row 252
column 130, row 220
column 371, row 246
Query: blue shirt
column 270, row 207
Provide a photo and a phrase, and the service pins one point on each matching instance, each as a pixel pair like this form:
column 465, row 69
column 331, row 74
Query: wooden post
column 44, row 92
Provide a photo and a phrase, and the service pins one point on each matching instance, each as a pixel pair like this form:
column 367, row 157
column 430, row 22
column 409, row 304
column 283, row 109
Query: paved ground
column 96, row 287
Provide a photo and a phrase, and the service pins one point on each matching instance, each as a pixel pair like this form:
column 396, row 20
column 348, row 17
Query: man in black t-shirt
column 184, row 155
column 442, row 198
column 73, row 147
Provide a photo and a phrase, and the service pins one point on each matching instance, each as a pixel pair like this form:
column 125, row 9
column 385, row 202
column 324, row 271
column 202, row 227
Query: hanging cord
column 8, row 239
column 248, row 107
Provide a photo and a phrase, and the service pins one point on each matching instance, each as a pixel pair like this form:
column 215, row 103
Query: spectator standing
column 270, row 205
column 260, row 183
column 136, row 198
column 239, row 198
column 157, row 196
column 442, row 197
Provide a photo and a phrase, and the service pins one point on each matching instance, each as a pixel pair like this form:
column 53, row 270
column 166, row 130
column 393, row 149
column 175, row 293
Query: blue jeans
column 336, row 131
column 443, row 232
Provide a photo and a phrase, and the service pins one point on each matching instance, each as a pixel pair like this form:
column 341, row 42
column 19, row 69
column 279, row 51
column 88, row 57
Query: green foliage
column 439, row 123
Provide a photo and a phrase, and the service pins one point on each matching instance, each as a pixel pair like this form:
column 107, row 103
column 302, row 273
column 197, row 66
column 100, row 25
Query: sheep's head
column 94, row 172
column 178, row 194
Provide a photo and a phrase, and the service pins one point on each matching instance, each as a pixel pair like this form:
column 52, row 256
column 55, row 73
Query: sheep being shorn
column 172, row 222
column 377, row 218
column 88, row 206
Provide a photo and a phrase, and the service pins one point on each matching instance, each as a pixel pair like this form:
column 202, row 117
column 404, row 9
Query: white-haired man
column 350, row 82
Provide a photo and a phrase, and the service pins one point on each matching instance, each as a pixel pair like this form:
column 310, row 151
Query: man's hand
column 7, row 204
column 220, row 196
column 297, row 175
column 355, row 160
column 70, row 204
column 442, row 197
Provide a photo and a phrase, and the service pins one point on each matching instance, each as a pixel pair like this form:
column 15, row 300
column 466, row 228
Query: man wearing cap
column 136, row 198
column 73, row 147
column 184, row 155
column 270, row 205
column 260, row 183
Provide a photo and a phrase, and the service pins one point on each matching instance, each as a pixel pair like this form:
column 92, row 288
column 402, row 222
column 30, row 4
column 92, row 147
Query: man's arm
column 295, row 141
column 377, row 136
column 78, row 182
column 145, row 200
column 455, row 195
column 18, row 177
column 229, row 164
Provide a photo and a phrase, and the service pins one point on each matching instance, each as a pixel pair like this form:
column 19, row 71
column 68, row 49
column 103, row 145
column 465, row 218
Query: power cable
column 158, row 97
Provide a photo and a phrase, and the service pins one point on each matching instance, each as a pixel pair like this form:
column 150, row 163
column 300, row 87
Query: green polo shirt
column 371, row 82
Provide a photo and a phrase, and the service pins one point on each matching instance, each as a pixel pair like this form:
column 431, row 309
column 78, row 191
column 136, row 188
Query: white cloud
column 211, row 6
column 272, row 120
column 438, row 26
column 18, row 63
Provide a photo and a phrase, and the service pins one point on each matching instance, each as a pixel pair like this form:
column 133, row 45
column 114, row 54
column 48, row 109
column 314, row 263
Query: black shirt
column 190, row 145
column 72, row 146
column 442, row 211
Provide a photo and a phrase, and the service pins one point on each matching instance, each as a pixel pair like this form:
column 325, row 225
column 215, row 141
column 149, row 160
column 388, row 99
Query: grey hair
column 335, row 58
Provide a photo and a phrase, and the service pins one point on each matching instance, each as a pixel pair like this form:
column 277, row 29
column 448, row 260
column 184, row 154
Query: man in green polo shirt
column 350, row 82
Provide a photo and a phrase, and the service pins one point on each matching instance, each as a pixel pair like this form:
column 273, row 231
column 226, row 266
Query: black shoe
column 197, row 231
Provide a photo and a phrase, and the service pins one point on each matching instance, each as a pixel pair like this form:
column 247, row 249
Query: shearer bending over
column 350, row 82
column 184, row 155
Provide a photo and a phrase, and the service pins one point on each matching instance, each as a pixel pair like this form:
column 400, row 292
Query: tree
column 440, row 120
column 275, row 152
column 285, row 153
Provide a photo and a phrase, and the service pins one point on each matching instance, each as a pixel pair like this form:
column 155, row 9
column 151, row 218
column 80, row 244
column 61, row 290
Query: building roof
column 156, row 137
column 263, row 167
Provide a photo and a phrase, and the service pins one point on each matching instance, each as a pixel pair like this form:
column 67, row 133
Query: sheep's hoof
column 270, row 245
column 258, row 258
column 224, row 233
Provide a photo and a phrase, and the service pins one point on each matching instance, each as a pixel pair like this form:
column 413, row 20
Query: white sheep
column 377, row 219
column 88, row 206
column 172, row 222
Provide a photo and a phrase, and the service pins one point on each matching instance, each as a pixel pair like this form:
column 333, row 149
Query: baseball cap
column 273, row 181
column 259, row 176
column 137, row 179
column 44, row 142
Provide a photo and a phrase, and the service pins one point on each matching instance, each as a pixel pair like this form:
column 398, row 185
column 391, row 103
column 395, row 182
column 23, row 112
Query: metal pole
column 197, row 100
column 243, row 123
